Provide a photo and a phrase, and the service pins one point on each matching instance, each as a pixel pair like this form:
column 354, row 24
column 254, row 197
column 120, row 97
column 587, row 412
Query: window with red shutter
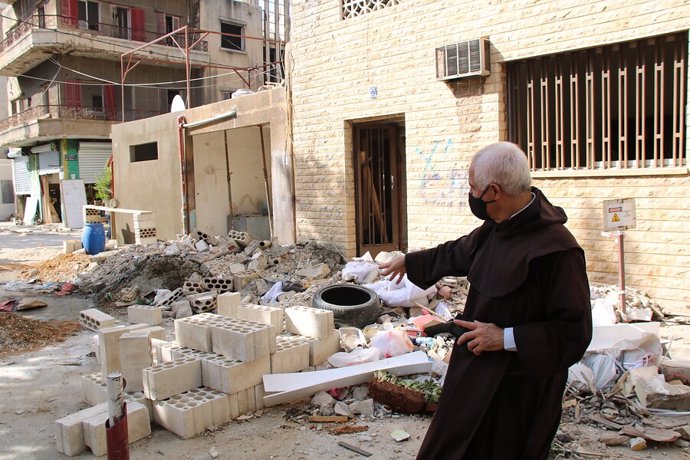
column 72, row 94
column 138, row 24
column 70, row 11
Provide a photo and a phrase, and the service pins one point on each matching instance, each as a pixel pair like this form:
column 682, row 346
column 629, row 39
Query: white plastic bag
column 272, row 294
column 603, row 312
column 403, row 294
column 604, row 369
column 357, row 356
column 361, row 270
column 392, row 343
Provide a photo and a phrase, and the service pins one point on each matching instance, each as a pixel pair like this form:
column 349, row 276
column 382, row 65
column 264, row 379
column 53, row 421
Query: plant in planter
column 406, row 396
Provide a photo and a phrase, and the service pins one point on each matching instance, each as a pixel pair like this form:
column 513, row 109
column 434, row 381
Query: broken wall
column 392, row 50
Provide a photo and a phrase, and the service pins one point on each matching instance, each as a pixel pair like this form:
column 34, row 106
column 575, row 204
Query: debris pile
column 19, row 334
column 606, row 308
column 64, row 267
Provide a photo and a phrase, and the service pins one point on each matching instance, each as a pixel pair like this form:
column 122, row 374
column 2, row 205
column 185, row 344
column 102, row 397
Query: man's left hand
column 481, row 336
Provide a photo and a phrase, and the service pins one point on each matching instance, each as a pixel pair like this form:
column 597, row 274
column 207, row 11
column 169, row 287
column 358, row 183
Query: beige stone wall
column 335, row 62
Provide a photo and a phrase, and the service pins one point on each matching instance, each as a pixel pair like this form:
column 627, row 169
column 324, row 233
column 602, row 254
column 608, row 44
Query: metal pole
column 621, row 271
column 186, row 66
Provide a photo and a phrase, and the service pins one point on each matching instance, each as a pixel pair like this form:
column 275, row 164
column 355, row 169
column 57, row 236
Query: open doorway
column 380, row 194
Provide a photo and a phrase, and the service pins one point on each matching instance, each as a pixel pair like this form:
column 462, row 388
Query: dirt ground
column 41, row 386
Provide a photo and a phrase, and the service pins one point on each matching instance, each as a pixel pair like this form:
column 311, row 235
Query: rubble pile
column 64, row 267
column 20, row 334
column 638, row 305
column 255, row 268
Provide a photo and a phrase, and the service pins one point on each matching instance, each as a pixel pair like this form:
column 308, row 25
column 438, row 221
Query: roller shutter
column 93, row 157
column 22, row 184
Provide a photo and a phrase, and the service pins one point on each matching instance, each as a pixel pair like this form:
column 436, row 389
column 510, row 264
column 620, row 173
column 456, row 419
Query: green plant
column 102, row 185
column 430, row 388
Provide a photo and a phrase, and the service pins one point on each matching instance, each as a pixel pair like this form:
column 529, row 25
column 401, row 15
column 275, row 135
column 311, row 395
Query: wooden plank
column 328, row 418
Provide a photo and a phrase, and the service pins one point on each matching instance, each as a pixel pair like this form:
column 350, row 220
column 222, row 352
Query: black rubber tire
column 352, row 305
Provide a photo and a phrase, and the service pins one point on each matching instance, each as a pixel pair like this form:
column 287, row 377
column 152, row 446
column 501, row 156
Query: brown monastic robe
column 527, row 273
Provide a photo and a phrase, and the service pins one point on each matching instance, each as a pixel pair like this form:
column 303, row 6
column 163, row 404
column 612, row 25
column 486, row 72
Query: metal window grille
column 615, row 107
column 354, row 8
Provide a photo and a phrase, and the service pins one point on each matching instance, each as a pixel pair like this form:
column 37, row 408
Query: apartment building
column 76, row 67
column 595, row 91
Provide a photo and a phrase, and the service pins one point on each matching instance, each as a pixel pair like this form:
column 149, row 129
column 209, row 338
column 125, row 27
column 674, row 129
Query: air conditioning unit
column 464, row 59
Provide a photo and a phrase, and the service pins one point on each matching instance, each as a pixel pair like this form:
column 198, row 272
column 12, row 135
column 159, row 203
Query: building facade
column 390, row 99
column 77, row 67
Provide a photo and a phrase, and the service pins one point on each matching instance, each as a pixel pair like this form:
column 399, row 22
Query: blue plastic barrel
column 93, row 238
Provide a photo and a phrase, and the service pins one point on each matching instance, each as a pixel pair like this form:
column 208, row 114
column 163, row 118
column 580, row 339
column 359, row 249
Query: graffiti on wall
column 440, row 185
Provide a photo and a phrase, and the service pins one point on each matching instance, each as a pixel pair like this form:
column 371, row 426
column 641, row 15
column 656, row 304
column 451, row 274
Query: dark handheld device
column 448, row 327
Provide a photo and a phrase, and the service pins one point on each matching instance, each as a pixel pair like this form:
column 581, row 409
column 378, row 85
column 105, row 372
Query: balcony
column 37, row 39
column 44, row 123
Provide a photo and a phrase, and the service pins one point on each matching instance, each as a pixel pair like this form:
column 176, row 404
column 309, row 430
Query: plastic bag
column 361, row 270
column 603, row 312
column 581, row 377
column 392, row 343
column 272, row 294
column 357, row 356
column 403, row 294
column 604, row 368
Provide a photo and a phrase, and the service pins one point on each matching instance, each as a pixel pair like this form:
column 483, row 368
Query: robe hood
column 503, row 251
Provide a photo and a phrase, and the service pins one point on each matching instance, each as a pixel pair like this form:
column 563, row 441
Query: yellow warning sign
column 615, row 218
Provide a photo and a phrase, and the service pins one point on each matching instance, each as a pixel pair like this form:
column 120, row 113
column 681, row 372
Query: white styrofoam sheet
column 416, row 362
column 606, row 337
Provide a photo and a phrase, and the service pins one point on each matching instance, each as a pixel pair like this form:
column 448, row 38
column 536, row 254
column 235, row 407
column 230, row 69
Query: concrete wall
column 156, row 185
column 335, row 62
column 243, row 13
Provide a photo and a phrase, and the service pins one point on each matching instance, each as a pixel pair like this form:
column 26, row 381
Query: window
column 97, row 102
column 6, row 191
column 232, row 36
column 143, row 152
column 620, row 106
column 88, row 15
column 354, row 8
column 226, row 93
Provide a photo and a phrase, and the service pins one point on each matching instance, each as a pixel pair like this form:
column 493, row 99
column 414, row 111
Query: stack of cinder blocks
column 210, row 375
column 144, row 227
column 123, row 348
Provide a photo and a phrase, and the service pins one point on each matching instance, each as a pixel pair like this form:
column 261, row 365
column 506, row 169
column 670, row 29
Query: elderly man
column 528, row 312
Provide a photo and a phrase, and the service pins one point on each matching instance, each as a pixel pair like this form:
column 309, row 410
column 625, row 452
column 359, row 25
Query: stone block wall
column 335, row 62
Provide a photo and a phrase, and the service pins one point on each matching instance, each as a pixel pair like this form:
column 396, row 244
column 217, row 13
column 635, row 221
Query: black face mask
column 478, row 206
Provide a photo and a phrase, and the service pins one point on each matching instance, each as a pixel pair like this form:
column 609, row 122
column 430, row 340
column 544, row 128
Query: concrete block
column 310, row 322
column 261, row 314
column 232, row 376
column 259, row 394
column 194, row 332
column 321, row 349
column 181, row 309
column 246, row 401
column 69, row 433
column 135, row 355
column 154, row 332
column 292, row 354
column 241, row 340
column 95, row 319
column 203, row 302
column 191, row 413
column 109, row 346
column 138, row 427
column 168, row 379
column 140, row 397
column 234, row 406
column 145, row 314
column 228, row 303
column 169, row 300
column 93, row 389
column 675, row 369
column 192, row 287
column 218, row 284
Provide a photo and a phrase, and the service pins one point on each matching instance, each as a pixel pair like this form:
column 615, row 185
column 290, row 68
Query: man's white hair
column 502, row 163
